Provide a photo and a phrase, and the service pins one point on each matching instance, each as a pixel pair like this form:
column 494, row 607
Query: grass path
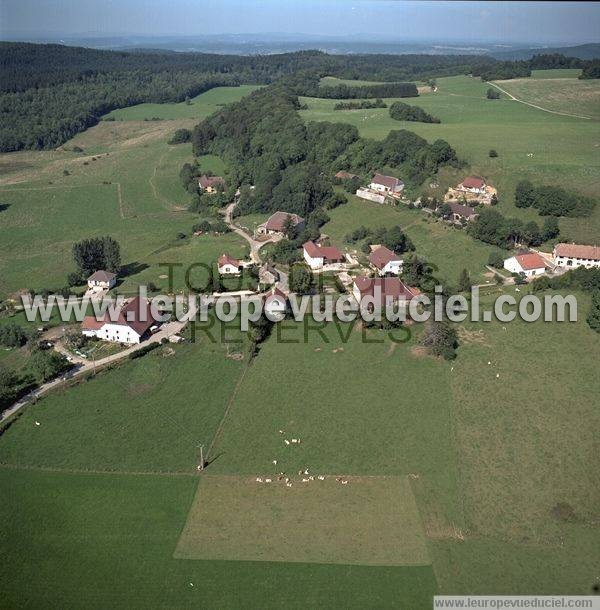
column 516, row 99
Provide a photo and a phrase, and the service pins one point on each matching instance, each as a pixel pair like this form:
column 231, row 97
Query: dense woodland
column 404, row 112
column 265, row 143
column 48, row 93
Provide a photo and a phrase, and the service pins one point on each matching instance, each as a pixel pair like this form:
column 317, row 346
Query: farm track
column 516, row 99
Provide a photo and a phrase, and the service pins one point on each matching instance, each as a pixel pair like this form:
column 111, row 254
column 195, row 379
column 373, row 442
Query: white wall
column 394, row 267
column 313, row 263
column 228, row 270
column 573, row 263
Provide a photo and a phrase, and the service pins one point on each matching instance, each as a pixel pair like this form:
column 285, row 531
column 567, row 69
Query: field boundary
column 191, row 473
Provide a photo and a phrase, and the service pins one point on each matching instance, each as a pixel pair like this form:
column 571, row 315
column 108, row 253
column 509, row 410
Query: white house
column 576, row 255
column 473, row 184
column 386, row 184
column 384, row 261
column 130, row 324
column 529, row 264
column 101, row 280
column 275, row 304
column 318, row 256
column 228, row 265
column 370, row 195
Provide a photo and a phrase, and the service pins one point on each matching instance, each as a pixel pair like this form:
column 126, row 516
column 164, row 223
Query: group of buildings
column 564, row 256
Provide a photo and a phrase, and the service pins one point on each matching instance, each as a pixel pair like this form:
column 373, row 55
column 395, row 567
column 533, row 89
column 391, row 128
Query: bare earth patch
column 365, row 521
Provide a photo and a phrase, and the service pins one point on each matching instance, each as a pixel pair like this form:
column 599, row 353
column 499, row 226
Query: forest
column 404, row 112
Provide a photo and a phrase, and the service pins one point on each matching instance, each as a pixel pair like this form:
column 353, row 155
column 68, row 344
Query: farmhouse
column 341, row 175
column 228, row 265
column 101, row 280
column 375, row 292
column 576, row 255
column 528, row 264
column 275, row 303
column 210, row 184
column 384, row 261
column 364, row 193
column 128, row 325
column 386, row 184
column 276, row 224
column 460, row 213
column 319, row 256
column 472, row 184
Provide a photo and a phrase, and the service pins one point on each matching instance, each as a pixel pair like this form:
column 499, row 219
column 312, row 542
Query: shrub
column 492, row 153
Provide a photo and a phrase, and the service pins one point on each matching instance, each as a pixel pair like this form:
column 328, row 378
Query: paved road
column 255, row 245
column 81, row 368
column 516, row 99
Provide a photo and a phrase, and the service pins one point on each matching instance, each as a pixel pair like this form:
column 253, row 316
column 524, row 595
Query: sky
column 510, row 22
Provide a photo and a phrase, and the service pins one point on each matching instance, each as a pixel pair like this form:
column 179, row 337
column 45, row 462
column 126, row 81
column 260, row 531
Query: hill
column 582, row 51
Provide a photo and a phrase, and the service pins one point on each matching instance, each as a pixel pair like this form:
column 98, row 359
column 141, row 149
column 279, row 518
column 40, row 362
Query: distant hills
column 582, row 51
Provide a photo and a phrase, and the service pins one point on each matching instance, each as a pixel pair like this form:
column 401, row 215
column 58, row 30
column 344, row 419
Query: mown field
column 198, row 107
column 125, row 184
column 488, row 450
column 563, row 149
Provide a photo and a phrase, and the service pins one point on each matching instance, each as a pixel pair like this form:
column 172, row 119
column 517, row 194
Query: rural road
column 516, row 99
column 255, row 245
column 168, row 329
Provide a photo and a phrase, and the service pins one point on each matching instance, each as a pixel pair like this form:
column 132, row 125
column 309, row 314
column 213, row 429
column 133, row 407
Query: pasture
column 449, row 249
column 531, row 144
column 365, row 521
column 199, row 107
column 125, row 184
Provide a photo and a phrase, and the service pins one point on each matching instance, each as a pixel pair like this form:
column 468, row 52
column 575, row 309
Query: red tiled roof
column 327, row 253
column 381, row 256
column 529, row 261
column 225, row 259
column 389, row 286
column 387, row 181
column 276, row 292
column 136, row 314
column 577, row 251
column 276, row 221
column 206, row 181
column 473, row 182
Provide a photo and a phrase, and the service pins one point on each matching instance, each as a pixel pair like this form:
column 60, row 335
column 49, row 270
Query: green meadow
column 531, row 144
column 198, row 108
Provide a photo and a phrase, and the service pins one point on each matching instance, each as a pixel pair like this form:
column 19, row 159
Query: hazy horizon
column 543, row 23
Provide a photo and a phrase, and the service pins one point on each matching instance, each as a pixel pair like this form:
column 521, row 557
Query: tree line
column 405, row 112
column 361, row 105
column 552, row 200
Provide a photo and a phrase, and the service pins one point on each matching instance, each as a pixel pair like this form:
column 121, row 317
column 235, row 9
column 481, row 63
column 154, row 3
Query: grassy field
column 450, row 249
column 199, row 107
column 557, row 73
column 366, row 521
column 560, row 94
column 563, row 149
column 124, row 184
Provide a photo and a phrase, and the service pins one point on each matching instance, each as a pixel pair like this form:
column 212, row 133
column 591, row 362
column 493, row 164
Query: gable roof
column 276, row 221
column 206, row 181
column 325, row 252
column 102, row 276
column 135, row 314
column 466, row 211
column 225, row 259
column 387, row 181
column 381, row 256
column 276, row 293
column 578, row 251
column 389, row 287
column 530, row 261
column 473, row 182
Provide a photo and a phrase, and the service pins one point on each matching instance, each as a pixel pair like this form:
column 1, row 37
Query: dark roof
column 102, row 276
column 387, row 181
column 136, row 314
column 206, row 181
column 276, row 221
column 465, row 211
column 381, row 256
